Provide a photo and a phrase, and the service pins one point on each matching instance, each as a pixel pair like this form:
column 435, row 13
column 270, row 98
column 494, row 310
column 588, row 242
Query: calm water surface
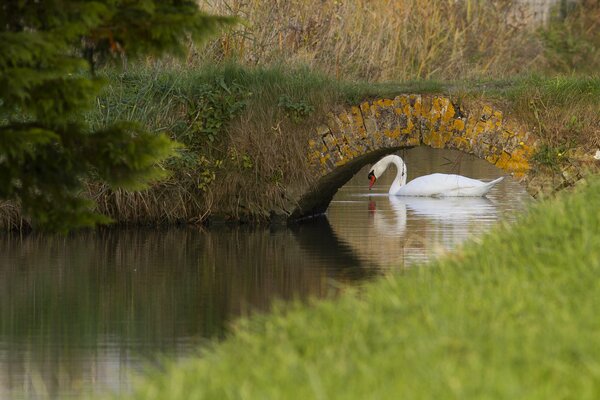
column 78, row 314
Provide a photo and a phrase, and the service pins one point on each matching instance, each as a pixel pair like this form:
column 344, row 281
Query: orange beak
column 372, row 180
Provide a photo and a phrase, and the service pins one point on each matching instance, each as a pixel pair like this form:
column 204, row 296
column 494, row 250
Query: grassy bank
column 512, row 315
column 244, row 131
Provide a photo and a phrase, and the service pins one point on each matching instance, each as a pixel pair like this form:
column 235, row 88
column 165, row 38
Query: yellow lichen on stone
column 358, row 122
column 413, row 140
column 436, row 139
column 506, row 135
column 435, row 110
column 344, row 118
column 503, row 161
column 383, row 102
column 449, row 112
column 499, row 118
column 460, row 143
column 412, row 120
column 525, row 151
column 522, row 155
column 458, row 125
column 480, row 128
column 492, row 158
column 410, row 126
column 489, row 125
column 322, row 130
column 393, row 134
column 365, row 107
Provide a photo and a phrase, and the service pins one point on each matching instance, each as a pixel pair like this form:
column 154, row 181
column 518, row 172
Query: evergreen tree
column 48, row 49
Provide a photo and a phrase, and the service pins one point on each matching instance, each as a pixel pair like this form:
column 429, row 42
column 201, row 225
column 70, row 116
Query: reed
column 378, row 40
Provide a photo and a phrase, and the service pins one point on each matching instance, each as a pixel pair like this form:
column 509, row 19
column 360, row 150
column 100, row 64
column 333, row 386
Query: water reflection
column 450, row 210
column 396, row 231
column 77, row 313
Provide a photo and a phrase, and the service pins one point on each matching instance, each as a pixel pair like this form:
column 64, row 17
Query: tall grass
column 563, row 110
column 513, row 315
column 243, row 148
column 378, row 40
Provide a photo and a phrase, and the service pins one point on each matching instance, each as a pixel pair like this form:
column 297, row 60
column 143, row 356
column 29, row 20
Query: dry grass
column 10, row 217
column 377, row 40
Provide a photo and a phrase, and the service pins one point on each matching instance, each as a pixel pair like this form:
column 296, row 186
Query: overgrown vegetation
column 564, row 111
column 512, row 315
column 243, row 142
column 243, row 106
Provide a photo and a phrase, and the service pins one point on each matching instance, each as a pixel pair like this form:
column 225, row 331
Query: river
column 81, row 313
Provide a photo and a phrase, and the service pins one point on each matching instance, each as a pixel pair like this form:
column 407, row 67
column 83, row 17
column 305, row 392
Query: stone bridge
column 358, row 135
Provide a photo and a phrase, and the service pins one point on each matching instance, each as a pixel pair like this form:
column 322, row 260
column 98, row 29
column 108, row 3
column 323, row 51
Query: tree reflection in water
column 88, row 306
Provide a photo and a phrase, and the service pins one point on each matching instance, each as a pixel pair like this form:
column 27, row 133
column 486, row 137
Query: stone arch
column 358, row 135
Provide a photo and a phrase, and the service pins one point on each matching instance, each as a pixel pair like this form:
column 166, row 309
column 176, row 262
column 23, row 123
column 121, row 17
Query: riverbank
column 510, row 315
column 244, row 133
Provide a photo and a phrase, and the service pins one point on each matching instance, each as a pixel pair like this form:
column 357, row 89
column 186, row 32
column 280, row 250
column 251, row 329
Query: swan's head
column 380, row 166
column 372, row 179
column 375, row 173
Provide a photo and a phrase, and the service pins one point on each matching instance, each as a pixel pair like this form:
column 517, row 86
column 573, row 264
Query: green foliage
column 296, row 110
column 513, row 315
column 550, row 156
column 212, row 107
column 47, row 50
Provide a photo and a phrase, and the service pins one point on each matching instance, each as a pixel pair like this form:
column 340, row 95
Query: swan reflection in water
column 448, row 210
column 426, row 225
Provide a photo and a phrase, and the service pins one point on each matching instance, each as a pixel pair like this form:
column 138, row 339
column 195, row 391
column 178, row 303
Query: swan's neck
column 400, row 179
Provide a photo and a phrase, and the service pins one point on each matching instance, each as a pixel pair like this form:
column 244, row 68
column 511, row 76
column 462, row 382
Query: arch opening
column 354, row 136
column 316, row 201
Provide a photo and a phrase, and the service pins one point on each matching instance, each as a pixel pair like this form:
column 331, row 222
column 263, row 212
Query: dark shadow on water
column 317, row 239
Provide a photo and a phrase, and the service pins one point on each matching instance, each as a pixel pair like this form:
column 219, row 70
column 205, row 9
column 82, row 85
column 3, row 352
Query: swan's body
column 434, row 185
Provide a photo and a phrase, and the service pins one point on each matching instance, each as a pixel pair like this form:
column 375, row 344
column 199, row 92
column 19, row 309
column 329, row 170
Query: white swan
column 436, row 185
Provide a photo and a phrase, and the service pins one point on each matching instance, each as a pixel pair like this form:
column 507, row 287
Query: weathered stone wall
column 415, row 120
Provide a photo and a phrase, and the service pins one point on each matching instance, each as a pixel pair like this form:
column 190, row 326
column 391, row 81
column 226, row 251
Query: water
column 78, row 314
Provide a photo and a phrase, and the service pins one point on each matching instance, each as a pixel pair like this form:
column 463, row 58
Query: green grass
column 513, row 315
